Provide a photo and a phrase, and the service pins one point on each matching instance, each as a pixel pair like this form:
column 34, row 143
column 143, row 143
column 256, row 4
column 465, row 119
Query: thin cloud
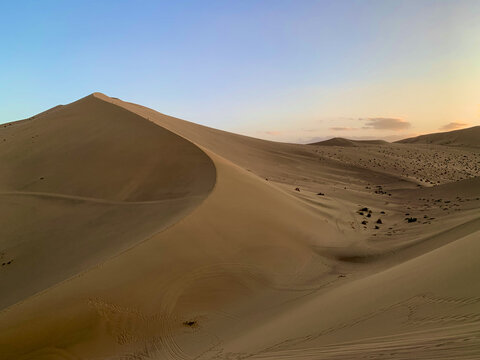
column 386, row 124
column 272, row 133
column 453, row 126
column 342, row 128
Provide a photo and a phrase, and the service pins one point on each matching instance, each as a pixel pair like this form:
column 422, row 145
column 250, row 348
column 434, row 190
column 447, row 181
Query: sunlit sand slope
column 469, row 137
column 425, row 308
column 244, row 244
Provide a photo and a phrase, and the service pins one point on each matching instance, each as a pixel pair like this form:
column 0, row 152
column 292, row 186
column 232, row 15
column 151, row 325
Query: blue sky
column 281, row 70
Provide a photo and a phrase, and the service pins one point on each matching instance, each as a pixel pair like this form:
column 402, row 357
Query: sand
column 130, row 234
column 463, row 138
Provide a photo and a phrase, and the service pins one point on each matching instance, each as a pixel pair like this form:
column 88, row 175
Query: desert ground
column 129, row 234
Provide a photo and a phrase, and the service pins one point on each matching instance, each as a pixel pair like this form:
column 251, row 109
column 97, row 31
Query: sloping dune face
column 94, row 149
column 222, row 263
column 173, row 295
column 84, row 182
column 464, row 137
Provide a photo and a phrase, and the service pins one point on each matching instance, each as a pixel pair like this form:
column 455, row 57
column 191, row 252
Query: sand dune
column 77, row 186
column 349, row 143
column 469, row 137
column 129, row 234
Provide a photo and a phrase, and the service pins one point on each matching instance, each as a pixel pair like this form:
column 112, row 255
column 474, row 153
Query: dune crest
column 349, row 143
column 469, row 137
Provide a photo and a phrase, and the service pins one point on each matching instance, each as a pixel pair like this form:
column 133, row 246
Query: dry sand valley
column 129, row 234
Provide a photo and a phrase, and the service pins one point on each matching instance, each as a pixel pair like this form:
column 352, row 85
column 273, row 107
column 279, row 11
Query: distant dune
column 349, row 143
column 130, row 234
column 464, row 137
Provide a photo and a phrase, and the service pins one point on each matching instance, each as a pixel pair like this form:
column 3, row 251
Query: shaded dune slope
column 77, row 187
column 91, row 148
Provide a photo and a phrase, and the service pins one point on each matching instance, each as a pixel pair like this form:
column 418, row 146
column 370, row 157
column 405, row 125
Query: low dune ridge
column 469, row 137
column 337, row 141
column 150, row 237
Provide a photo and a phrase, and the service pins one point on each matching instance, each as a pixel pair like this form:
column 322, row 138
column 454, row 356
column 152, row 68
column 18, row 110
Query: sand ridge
column 468, row 137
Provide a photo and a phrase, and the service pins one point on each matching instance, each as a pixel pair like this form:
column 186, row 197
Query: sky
column 296, row 71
